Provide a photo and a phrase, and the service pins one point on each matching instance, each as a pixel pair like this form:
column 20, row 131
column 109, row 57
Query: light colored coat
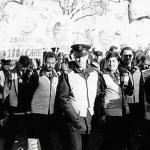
column 2, row 81
column 44, row 96
column 113, row 97
column 135, row 79
column 84, row 92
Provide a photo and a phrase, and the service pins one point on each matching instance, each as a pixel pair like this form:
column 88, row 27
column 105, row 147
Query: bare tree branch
column 61, row 6
column 67, row 7
column 3, row 17
column 75, row 13
column 130, row 12
column 93, row 7
column 118, row 1
column 129, row 1
column 19, row 2
column 141, row 18
column 78, row 10
column 89, row 15
column 73, row 6
column 14, row 1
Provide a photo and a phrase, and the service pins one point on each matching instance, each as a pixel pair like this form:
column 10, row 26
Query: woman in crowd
column 112, row 127
column 115, row 106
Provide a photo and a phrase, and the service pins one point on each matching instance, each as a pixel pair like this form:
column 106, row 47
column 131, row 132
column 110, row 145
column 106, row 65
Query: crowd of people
column 80, row 101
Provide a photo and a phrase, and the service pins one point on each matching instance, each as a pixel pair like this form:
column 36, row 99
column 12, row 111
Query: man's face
column 81, row 61
column 127, row 57
column 64, row 66
column 50, row 63
column 98, row 58
column 7, row 67
column 60, row 58
column 115, row 50
column 145, row 64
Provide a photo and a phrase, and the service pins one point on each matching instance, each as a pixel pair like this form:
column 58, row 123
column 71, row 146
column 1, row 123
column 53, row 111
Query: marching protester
column 60, row 59
column 64, row 67
column 18, row 92
column 43, row 112
column 75, row 98
column 111, row 130
column 134, row 94
column 115, row 105
column 103, row 61
column 144, row 66
column 97, row 60
column 145, row 63
column 4, row 73
column 113, row 49
column 71, row 105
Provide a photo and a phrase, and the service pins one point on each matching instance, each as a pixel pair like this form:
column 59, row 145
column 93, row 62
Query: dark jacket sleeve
column 146, row 84
column 99, row 101
column 33, row 81
column 63, row 100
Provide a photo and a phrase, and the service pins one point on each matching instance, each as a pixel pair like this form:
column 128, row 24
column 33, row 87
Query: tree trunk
column 130, row 11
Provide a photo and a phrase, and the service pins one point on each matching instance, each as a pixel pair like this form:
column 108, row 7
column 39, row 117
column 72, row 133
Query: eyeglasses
column 128, row 55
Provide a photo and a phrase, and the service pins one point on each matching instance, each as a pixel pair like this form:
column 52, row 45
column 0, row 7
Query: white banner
column 15, row 53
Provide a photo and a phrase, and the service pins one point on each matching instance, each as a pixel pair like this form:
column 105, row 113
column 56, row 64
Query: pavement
column 19, row 142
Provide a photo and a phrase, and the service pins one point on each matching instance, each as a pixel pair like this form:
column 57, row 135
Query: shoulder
column 122, row 69
column 66, row 73
column 69, row 71
column 107, row 77
column 1, row 72
column 146, row 73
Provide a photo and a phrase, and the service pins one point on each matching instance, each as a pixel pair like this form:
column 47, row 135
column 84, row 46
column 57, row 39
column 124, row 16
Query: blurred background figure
column 134, row 94
column 146, row 77
column 114, row 49
column 98, row 57
column 60, row 58
column 145, row 63
column 18, row 91
column 137, row 57
column 64, row 66
column 4, row 76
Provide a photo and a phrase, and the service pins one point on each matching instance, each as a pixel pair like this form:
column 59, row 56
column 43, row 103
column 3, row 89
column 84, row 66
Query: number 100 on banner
column 16, row 53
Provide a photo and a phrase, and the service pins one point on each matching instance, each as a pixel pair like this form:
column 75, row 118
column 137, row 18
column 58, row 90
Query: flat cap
column 5, row 61
column 80, row 49
column 24, row 60
column 98, row 53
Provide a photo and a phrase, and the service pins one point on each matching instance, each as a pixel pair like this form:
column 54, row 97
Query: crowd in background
column 85, row 100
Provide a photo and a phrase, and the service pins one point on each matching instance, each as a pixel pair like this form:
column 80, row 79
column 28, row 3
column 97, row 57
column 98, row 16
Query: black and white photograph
column 74, row 74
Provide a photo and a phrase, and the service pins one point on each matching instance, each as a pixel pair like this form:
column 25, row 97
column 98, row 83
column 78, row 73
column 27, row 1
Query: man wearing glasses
column 133, row 91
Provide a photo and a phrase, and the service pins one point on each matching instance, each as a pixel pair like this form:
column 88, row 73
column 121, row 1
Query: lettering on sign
column 15, row 53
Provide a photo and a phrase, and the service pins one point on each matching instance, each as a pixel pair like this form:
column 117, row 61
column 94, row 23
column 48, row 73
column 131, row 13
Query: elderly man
column 76, row 94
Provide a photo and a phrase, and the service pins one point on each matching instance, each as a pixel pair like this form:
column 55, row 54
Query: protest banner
column 15, row 53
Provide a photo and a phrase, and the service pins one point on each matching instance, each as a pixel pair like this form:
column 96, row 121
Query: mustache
column 49, row 68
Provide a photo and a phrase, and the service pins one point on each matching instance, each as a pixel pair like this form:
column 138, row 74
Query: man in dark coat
column 19, row 86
